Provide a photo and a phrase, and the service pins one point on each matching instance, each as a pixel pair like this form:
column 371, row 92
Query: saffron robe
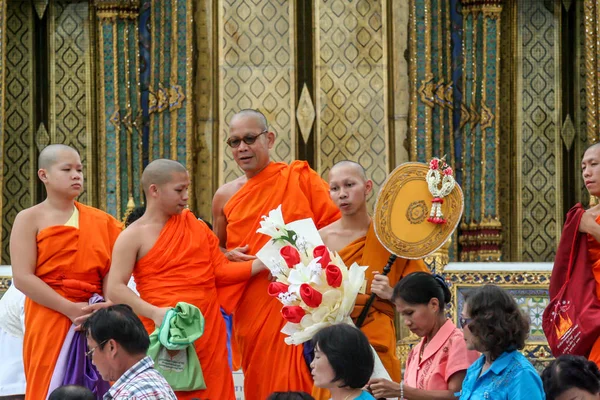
column 73, row 262
column 268, row 363
column 187, row 265
column 379, row 325
column 594, row 258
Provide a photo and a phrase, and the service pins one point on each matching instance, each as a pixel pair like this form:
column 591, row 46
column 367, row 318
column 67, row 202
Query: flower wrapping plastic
column 313, row 284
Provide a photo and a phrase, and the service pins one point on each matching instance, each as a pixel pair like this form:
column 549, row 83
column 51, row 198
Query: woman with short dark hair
column 571, row 377
column 494, row 325
column 435, row 367
column 343, row 362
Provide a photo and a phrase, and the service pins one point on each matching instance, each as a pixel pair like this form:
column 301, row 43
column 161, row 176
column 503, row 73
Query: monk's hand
column 239, row 254
column 159, row 315
column 381, row 286
column 383, row 388
column 75, row 311
column 89, row 310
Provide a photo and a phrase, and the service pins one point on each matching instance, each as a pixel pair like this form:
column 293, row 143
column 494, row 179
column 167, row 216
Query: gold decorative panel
column 257, row 70
column 19, row 147
column 71, row 116
column 351, row 86
column 539, row 145
column 205, row 99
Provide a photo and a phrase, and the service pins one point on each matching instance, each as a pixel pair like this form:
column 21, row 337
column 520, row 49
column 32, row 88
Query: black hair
column 497, row 321
column 349, row 353
column 421, row 287
column 568, row 372
column 118, row 322
column 134, row 215
column 72, row 392
column 290, row 396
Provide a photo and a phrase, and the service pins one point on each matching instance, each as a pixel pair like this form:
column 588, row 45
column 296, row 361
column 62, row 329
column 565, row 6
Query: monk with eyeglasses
column 268, row 363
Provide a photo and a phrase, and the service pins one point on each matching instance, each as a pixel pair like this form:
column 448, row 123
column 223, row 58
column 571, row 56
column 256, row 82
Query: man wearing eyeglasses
column 268, row 363
column 117, row 345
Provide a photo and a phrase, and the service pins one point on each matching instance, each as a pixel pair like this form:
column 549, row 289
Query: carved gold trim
column 138, row 124
column 151, row 88
column 428, row 78
column 497, row 126
column 427, row 91
column 413, row 128
column 127, row 119
column 305, row 114
column 102, row 118
column 173, row 78
column 590, row 71
column 558, row 147
column 441, row 82
column 450, row 86
column 3, row 17
column 386, row 79
column 40, row 7
column 161, row 89
column 115, row 118
column 473, row 111
column 487, row 119
column 52, row 88
column 189, row 113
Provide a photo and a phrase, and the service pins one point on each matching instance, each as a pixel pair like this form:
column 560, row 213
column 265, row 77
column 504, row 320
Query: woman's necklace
column 351, row 396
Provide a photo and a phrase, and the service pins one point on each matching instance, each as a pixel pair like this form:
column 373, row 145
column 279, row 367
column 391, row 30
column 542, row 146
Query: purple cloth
column 79, row 368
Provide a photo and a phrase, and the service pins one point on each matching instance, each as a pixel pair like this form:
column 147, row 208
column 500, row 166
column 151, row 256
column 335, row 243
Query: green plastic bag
column 182, row 326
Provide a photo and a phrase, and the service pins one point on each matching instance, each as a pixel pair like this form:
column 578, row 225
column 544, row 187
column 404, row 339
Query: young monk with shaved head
column 269, row 364
column 60, row 254
column 174, row 257
column 353, row 237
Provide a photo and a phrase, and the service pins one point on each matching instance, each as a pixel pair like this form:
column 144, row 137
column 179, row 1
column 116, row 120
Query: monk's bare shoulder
column 226, row 192
column 28, row 216
column 330, row 232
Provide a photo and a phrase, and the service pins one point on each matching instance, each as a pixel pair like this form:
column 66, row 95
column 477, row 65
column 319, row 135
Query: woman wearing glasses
column 494, row 325
column 436, row 366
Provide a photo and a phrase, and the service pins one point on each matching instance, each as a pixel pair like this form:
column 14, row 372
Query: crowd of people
column 65, row 254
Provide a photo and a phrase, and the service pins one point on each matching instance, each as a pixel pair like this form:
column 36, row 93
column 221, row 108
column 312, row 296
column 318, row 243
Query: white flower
column 272, row 225
column 287, row 298
column 308, row 274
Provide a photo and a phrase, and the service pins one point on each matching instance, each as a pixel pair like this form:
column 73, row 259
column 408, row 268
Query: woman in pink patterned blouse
column 436, row 366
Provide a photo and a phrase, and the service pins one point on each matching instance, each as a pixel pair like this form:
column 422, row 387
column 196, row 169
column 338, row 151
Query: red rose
column 310, row 296
column 448, row 171
column 290, row 255
column 277, row 287
column 323, row 252
column 334, row 275
column 433, row 164
column 293, row 314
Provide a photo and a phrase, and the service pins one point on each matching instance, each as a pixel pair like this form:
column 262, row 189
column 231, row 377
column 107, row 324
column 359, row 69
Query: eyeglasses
column 464, row 321
column 90, row 352
column 248, row 139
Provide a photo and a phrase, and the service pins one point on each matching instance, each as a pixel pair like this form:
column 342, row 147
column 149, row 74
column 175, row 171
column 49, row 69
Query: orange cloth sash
column 379, row 325
column 187, row 265
column 594, row 257
column 269, row 364
column 73, row 262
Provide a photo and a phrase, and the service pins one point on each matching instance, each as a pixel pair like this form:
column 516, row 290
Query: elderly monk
column 175, row 258
column 353, row 237
column 590, row 223
column 268, row 363
column 60, row 257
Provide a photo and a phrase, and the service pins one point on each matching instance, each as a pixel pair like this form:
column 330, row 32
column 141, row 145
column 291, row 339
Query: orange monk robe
column 187, row 265
column 379, row 325
column 594, row 257
column 73, row 262
column 269, row 364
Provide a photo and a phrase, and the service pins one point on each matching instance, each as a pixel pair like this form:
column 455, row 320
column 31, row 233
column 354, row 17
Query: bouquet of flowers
column 313, row 284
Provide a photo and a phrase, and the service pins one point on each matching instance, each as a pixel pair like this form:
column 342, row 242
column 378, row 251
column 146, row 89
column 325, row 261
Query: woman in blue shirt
column 494, row 325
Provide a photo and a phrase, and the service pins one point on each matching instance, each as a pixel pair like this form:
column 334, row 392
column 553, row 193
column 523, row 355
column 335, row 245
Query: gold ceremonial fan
column 402, row 213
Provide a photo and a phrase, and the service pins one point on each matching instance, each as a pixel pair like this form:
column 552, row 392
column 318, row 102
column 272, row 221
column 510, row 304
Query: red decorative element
column 310, row 296
column 290, row 255
column 275, row 288
column 323, row 252
column 433, row 164
column 437, row 220
column 448, row 171
column 293, row 314
column 334, row 276
column 437, row 200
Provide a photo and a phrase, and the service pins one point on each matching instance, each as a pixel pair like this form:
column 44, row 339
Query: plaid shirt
column 141, row 382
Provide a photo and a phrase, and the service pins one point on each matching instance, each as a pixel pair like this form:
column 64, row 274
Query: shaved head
column 594, row 146
column 255, row 114
column 351, row 164
column 50, row 155
column 159, row 172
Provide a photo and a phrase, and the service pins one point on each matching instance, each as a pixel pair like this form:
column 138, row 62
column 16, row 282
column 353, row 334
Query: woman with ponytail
column 436, row 366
